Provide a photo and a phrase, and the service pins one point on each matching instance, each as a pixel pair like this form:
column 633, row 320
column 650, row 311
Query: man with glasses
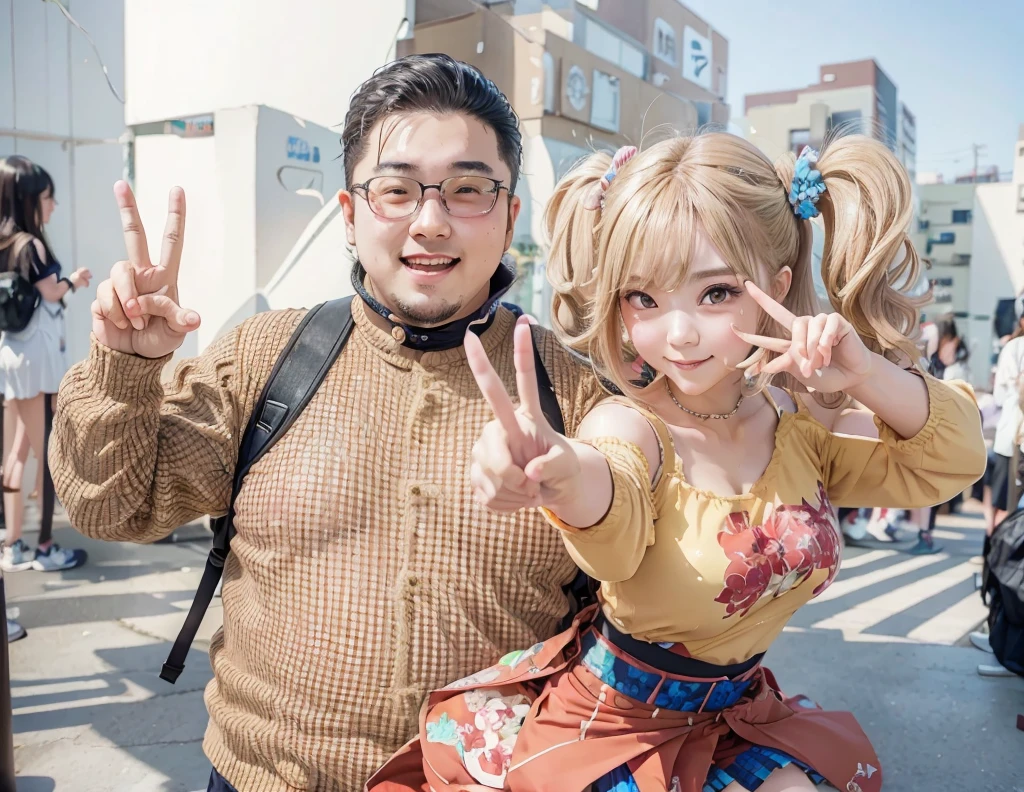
column 362, row 574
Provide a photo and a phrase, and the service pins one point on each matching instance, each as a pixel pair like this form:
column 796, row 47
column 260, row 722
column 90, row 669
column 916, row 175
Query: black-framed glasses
column 396, row 197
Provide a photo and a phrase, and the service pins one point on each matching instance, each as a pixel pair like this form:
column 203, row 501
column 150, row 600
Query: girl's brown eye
column 637, row 299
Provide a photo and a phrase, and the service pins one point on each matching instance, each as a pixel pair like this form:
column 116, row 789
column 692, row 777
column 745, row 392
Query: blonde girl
column 703, row 500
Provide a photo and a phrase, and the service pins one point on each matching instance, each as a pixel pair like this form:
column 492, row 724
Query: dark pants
column 218, row 784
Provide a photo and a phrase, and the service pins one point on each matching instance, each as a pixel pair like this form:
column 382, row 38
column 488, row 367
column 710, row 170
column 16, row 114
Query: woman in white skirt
column 33, row 360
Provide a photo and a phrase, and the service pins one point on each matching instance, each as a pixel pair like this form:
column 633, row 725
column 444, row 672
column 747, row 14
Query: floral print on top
column 771, row 558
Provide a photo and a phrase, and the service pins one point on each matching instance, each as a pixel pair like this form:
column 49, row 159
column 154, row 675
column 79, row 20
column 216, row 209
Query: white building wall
column 307, row 57
column 243, row 213
column 57, row 109
column 993, row 274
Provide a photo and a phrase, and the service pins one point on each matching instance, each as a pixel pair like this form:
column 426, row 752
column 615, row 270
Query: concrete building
column 973, row 235
column 997, row 262
column 852, row 97
column 581, row 75
column 906, row 142
column 943, row 235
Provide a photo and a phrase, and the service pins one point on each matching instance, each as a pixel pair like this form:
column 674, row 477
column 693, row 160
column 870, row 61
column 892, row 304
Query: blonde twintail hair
column 721, row 185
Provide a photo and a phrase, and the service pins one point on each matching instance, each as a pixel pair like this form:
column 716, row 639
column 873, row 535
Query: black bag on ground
column 18, row 301
column 1003, row 591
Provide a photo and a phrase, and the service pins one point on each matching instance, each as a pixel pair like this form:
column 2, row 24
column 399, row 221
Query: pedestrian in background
column 32, row 357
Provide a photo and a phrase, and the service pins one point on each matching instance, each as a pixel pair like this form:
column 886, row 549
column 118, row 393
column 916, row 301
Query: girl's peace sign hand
column 519, row 461
column 823, row 352
column 136, row 310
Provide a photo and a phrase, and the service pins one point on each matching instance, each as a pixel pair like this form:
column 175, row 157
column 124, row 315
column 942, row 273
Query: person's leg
column 987, row 510
column 50, row 557
column 15, row 552
column 924, row 519
column 986, row 498
column 1000, row 490
column 47, row 488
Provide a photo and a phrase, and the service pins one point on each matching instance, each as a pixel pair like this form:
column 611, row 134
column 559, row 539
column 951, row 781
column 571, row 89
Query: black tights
column 48, row 494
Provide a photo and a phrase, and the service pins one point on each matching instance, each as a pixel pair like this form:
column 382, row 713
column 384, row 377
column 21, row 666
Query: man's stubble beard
column 430, row 316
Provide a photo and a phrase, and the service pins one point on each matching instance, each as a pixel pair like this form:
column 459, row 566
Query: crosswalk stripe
column 953, row 623
column 866, row 558
column 842, row 586
column 877, row 610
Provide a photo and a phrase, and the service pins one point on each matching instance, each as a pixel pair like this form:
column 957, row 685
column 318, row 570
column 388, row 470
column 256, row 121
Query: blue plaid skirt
column 750, row 768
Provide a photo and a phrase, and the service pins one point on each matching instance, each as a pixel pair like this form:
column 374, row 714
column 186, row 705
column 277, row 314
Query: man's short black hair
column 434, row 83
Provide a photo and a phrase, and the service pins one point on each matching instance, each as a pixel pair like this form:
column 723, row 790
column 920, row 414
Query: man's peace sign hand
column 823, row 352
column 136, row 310
column 519, row 460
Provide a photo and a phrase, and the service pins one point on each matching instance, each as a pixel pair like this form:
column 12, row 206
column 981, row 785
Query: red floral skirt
column 547, row 720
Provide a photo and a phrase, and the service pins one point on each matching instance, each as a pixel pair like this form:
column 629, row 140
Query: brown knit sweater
column 363, row 574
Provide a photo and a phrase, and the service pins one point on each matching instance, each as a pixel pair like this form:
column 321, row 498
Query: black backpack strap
column 582, row 591
column 297, row 375
column 548, row 400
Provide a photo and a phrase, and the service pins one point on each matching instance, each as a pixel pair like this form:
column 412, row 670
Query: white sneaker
column 15, row 632
column 995, row 671
column 980, row 641
column 16, row 557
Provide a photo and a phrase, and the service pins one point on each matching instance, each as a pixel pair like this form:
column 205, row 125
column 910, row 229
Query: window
column 946, row 238
column 845, row 122
column 1020, row 199
column 798, row 138
column 550, row 80
column 664, row 41
column 922, row 225
column 604, row 106
column 606, row 44
column 633, row 60
column 961, row 216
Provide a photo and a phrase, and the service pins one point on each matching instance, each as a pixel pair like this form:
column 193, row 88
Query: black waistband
column 670, row 662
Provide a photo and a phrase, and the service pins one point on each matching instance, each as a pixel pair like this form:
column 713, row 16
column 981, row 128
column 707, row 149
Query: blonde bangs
column 649, row 242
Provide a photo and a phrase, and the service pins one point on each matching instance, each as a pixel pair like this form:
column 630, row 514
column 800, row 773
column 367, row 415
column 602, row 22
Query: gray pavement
column 886, row 642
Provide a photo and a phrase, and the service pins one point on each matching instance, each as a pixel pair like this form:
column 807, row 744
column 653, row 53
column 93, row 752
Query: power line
column 92, row 43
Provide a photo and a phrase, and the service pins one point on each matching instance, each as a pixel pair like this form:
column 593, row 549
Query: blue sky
column 957, row 64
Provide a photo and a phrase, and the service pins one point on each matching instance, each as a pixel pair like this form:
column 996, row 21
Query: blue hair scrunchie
column 807, row 185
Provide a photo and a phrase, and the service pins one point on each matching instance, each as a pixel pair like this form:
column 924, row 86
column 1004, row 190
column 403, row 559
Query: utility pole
column 977, row 149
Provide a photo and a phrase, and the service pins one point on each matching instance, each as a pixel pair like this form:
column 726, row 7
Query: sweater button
column 398, row 334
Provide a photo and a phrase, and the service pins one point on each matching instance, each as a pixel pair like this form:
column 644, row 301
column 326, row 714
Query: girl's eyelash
column 734, row 291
